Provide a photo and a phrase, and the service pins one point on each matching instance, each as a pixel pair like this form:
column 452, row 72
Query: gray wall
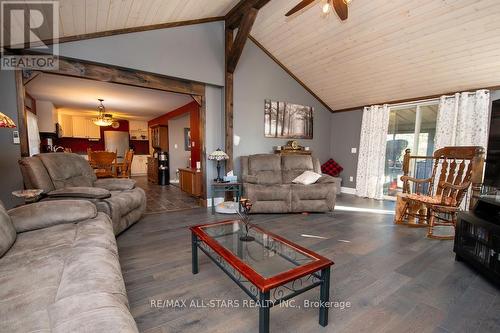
column 257, row 78
column 345, row 132
column 214, row 137
column 179, row 157
column 194, row 52
column 10, row 179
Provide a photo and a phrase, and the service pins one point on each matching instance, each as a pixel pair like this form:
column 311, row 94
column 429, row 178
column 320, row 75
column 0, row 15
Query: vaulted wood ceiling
column 386, row 50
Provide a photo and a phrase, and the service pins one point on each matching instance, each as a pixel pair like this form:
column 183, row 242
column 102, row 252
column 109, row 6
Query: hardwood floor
column 395, row 278
column 161, row 199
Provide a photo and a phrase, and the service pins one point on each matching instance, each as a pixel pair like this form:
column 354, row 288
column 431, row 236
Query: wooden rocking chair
column 435, row 201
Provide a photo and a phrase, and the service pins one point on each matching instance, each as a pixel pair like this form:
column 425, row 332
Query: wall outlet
column 351, row 178
column 175, row 146
column 354, row 150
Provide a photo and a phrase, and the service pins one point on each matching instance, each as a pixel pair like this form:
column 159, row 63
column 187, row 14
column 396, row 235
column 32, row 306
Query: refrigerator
column 116, row 141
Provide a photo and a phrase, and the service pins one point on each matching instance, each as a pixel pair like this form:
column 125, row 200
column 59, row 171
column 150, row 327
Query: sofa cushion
column 81, row 192
column 122, row 203
column 271, row 199
column 7, row 231
column 331, row 168
column 45, row 214
column 68, row 170
column 294, row 165
column 307, row 178
column 266, row 168
column 115, row 184
column 35, row 174
column 313, row 198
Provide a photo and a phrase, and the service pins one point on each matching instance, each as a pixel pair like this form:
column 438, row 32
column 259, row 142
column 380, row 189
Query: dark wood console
column 477, row 237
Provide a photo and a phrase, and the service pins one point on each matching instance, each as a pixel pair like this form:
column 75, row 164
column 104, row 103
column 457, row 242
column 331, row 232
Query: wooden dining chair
column 435, row 201
column 124, row 169
column 104, row 163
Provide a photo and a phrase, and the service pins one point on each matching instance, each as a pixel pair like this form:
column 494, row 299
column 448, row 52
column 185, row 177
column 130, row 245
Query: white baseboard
column 347, row 190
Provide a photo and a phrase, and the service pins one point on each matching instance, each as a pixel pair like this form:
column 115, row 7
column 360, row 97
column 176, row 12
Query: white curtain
column 463, row 120
column 371, row 159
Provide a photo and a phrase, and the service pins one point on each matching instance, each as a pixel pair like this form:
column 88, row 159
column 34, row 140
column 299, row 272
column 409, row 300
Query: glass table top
column 266, row 255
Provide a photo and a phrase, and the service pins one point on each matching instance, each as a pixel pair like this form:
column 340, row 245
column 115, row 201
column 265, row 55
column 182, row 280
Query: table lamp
column 5, row 121
column 218, row 156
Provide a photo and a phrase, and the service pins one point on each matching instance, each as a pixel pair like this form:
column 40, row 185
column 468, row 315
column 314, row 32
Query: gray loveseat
column 267, row 182
column 59, row 270
column 66, row 175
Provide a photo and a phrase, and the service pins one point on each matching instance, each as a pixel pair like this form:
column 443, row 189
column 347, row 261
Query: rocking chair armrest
column 416, row 180
column 453, row 186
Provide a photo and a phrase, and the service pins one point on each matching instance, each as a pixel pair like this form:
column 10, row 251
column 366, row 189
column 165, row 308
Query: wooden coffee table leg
column 264, row 312
column 324, row 296
column 194, row 253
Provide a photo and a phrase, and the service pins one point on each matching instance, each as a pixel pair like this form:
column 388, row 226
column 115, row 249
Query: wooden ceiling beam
column 241, row 38
column 235, row 15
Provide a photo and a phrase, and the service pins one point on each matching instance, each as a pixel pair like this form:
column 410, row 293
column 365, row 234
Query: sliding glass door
column 411, row 126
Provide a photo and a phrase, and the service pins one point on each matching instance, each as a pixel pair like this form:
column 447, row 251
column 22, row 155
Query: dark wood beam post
column 228, row 101
column 241, row 17
column 241, row 38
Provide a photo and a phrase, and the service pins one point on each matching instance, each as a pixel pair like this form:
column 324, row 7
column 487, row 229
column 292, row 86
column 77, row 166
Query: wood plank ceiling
column 385, row 51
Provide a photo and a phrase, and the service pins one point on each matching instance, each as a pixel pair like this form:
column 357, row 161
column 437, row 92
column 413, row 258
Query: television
column 492, row 168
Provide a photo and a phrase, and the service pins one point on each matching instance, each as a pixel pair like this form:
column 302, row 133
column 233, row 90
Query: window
column 413, row 127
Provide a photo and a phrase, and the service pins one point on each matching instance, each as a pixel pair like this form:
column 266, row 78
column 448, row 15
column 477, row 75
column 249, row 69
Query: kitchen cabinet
column 66, row 124
column 138, row 130
column 190, row 182
column 139, row 165
column 85, row 128
column 159, row 137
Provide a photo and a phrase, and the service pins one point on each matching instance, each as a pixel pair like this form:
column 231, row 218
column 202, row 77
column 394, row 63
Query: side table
column 217, row 188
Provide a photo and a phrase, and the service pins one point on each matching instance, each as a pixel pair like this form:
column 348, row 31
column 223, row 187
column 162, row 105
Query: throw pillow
column 331, row 168
column 307, row 178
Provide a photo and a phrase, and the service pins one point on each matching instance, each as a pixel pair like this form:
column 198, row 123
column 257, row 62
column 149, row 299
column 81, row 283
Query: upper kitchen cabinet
column 47, row 116
column 138, row 130
column 66, row 125
column 159, row 137
column 85, row 128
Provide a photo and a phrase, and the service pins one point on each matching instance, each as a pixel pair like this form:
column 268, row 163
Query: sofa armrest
column 115, row 184
column 45, row 214
column 80, row 192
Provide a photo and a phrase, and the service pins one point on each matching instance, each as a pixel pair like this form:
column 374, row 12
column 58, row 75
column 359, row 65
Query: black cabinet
column 477, row 239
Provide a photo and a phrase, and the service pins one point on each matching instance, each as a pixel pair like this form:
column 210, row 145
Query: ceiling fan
column 340, row 7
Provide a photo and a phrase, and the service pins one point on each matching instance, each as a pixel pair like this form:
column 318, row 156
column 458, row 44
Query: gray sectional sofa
column 267, row 182
column 69, row 176
column 59, row 270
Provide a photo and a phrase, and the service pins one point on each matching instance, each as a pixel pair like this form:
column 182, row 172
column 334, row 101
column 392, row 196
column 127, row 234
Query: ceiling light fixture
column 327, row 6
column 103, row 118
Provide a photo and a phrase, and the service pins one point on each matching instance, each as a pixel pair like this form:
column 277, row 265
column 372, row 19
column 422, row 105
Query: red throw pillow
column 331, row 168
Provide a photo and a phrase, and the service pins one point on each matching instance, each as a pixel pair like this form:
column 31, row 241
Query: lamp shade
column 218, row 155
column 5, row 121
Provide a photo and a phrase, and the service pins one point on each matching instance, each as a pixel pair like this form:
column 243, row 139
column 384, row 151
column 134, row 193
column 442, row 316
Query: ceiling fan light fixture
column 326, row 8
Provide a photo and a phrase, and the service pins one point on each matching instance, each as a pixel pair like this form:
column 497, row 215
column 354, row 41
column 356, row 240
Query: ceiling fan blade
column 341, row 9
column 302, row 4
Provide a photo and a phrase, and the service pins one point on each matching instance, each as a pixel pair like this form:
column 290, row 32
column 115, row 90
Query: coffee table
column 270, row 269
